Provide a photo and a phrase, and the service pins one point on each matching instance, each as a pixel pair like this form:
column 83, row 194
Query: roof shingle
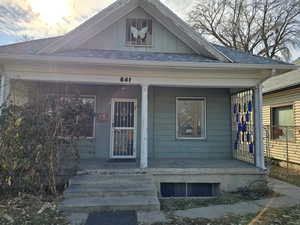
column 33, row 47
column 282, row 81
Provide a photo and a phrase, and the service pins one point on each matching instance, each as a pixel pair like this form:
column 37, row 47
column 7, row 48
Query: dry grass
column 290, row 175
column 30, row 210
column 285, row 216
column 172, row 204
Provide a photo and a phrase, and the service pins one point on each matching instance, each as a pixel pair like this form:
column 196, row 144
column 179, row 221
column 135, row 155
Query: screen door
column 123, row 129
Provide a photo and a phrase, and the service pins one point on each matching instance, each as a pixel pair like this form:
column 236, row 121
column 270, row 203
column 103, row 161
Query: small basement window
column 189, row 189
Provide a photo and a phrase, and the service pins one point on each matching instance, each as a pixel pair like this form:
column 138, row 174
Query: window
column 189, row 189
column 139, row 32
column 283, row 122
column 85, row 117
column 191, row 118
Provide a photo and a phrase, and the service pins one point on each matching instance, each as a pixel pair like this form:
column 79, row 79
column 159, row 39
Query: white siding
column 278, row 148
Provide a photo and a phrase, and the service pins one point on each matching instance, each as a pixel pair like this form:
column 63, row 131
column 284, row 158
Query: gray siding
column 162, row 120
column 113, row 38
column 99, row 146
column 163, row 124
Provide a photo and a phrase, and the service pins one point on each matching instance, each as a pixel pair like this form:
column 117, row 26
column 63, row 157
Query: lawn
column 171, row 204
column 29, row 210
column 291, row 175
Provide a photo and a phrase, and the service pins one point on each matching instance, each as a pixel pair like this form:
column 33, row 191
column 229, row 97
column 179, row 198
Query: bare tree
column 263, row 27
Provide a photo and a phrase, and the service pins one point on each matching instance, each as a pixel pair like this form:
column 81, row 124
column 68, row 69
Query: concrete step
column 109, row 179
column 91, row 204
column 89, row 191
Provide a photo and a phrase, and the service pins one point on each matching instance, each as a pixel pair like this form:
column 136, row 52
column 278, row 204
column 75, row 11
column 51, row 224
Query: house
column 281, row 114
column 184, row 110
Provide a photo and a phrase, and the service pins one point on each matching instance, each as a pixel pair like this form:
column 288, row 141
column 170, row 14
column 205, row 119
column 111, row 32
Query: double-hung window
column 283, row 122
column 85, row 117
column 190, row 118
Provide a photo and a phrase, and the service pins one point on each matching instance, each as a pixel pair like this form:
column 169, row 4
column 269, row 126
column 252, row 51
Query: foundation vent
column 189, row 189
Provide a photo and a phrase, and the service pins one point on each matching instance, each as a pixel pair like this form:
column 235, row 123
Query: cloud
column 180, row 7
column 26, row 17
column 30, row 18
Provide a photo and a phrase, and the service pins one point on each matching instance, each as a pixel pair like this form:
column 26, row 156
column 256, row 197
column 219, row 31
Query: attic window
column 139, row 32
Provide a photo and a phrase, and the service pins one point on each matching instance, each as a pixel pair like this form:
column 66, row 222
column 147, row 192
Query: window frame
column 272, row 108
column 204, row 137
column 128, row 43
column 95, row 111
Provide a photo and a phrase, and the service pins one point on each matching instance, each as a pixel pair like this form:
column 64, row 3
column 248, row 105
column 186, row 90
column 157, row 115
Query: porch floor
column 96, row 164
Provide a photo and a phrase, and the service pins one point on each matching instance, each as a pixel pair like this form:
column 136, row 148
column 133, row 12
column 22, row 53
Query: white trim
column 144, row 127
column 2, row 90
column 204, row 137
column 111, row 155
column 157, row 81
column 259, row 145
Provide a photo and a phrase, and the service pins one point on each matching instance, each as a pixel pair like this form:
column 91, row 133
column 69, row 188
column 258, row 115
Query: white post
column 144, row 131
column 2, row 90
column 5, row 89
column 259, row 145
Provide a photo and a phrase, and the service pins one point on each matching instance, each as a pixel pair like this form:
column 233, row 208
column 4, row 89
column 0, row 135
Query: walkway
column 291, row 197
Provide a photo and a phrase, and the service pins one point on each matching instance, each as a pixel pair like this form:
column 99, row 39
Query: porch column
column 259, row 145
column 5, row 89
column 144, row 130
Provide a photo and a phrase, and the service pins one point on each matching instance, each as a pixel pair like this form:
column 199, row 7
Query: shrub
column 31, row 142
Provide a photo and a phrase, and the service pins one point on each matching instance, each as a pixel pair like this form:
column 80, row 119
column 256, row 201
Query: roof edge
column 189, row 65
column 272, row 91
column 121, row 8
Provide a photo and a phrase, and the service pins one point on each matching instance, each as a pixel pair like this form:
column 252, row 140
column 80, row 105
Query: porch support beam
column 144, row 130
column 5, row 89
column 259, row 145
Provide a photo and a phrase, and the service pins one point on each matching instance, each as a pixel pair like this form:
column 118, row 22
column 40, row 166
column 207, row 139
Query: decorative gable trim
column 121, row 8
column 92, row 27
column 182, row 30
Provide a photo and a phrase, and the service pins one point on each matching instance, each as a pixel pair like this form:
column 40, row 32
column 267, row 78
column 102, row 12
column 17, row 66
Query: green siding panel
column 162, row 127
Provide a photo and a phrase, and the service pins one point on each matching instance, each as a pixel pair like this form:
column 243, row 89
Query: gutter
column 139, row 63
column 282, row 89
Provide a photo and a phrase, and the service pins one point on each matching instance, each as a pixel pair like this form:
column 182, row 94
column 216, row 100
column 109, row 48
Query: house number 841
column 125, row 79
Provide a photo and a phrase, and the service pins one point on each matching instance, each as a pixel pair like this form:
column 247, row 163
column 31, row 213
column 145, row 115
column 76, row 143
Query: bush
column 31, row 142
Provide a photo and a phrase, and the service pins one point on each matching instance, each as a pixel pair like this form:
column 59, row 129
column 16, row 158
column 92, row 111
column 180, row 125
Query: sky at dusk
column 31, row 19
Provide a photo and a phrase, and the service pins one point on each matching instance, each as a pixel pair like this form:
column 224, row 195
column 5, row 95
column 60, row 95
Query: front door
column 123, row 129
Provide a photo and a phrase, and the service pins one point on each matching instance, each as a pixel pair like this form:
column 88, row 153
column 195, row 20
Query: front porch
column 138, row 126
column 105, row 165
column 227, row 175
